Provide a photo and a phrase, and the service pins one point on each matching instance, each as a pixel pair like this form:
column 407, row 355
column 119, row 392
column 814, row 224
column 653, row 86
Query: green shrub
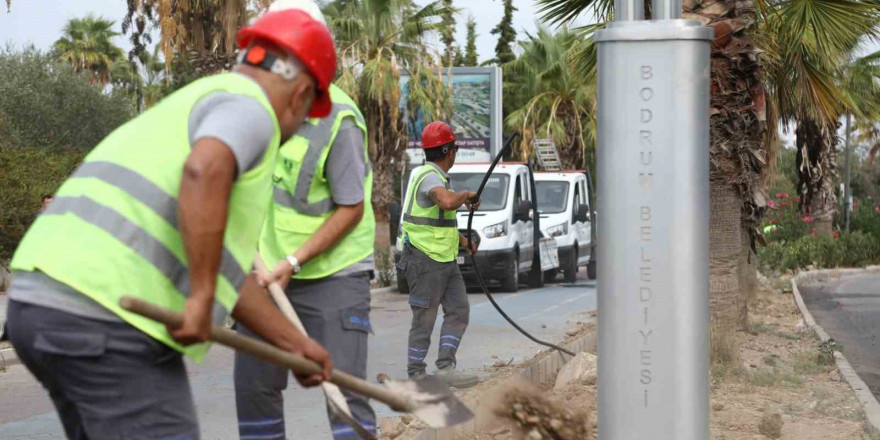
column 28, row 174
column 43, row 104
column 855, row 249
column 866, row 218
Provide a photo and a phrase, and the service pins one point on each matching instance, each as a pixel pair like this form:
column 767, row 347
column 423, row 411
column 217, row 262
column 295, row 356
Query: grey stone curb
column 861, row 390
column 8, row 357
column 536, row 373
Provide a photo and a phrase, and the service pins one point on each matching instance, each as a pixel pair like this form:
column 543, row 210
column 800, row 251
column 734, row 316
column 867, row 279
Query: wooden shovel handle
column 269, row 353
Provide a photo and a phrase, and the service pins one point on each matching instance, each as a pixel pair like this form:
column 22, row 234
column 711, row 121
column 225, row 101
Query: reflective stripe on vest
column 437, row 222
column 155, row 198
column 440, row 221
column 318, row 137
column 430, row 229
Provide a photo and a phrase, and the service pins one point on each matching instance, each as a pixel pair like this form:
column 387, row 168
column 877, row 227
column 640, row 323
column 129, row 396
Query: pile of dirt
column 540, row 417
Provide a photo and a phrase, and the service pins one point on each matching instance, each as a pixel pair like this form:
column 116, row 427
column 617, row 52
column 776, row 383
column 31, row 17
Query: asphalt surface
column 849, row 310
column 27, row 412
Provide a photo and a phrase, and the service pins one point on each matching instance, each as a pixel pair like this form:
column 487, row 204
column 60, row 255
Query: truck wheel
column 591, row 270
column 572, row 266
column 510, row 283
column 550, row 275
column 402, row 285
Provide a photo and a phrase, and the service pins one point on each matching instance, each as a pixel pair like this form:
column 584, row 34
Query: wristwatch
column 294, row 263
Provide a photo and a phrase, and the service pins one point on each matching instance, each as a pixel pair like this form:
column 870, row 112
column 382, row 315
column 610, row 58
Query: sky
column 39, row 22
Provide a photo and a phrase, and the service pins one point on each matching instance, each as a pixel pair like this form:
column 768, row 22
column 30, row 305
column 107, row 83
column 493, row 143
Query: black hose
column 501, row 153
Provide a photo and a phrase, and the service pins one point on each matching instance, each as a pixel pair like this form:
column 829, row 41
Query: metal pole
column 847, row 191
column 629, row 10
column 653, row 199
column 665, row 9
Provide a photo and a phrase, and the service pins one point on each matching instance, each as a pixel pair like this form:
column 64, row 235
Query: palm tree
column 144, row 79
column 376, row 41
column 86, row 44
column 815, row 80
column 738, row 145
column 203, row 30
column 552, row 101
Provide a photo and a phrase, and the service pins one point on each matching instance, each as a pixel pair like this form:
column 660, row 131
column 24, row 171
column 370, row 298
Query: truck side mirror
column 583, row 213
column 523, row 211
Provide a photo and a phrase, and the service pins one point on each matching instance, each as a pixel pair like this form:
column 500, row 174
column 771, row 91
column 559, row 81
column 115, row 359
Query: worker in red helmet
column 431, row 242
column 167, row 209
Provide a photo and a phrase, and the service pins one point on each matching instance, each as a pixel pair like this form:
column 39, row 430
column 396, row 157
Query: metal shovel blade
column 429, row 399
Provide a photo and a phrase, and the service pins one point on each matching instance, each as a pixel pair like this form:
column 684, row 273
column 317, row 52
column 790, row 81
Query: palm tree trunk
column 727, row 301
column 737, row 153
column 387, row 146
column 817, row 171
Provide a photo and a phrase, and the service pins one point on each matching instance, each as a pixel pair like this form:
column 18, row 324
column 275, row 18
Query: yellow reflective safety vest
column 112, row 229
column 431, row 230
column 302, row 200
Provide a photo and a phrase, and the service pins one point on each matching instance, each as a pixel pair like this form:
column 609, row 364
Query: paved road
column 26, row 412
column 849, row 310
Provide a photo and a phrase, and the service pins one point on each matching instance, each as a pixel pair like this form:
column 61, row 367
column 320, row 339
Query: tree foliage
column 50, row 117
column 506, row 35
column 86, row 44
column 469, row 57
column 45, row 104
column 551, row 100
column 447, row 33
column 202, row 30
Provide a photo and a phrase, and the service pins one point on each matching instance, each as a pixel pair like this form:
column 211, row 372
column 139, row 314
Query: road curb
column 8, row 357
column 869, row 402
column 535, row 373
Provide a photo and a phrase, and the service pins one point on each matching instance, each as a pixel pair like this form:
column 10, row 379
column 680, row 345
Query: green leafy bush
column 865, row 218
column 853, row 249
column 50, row 118
column 28, row 174
column 43, row 104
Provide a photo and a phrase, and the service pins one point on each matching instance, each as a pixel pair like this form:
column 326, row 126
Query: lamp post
column 653, row 171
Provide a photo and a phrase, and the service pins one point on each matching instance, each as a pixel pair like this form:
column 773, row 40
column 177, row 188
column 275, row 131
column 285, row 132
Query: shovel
column 335, row 398
column 426, row 398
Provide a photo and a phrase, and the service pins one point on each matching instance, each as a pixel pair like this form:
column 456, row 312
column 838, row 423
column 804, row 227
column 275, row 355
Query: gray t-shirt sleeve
column 346, row 166
column 431, row 181
column 239, row 121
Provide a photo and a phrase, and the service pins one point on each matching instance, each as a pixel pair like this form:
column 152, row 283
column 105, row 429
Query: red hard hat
column 307, row 39
column 437, row 134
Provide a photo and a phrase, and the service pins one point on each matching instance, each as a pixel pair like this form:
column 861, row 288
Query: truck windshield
column 494, row 194
column 552, row 197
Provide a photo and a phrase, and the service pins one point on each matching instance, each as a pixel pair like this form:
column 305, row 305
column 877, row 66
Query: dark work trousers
column 335, row 311
column 108, row 380
column 432, row 284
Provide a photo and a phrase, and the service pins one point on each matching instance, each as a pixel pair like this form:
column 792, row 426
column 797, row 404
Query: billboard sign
column 476, row 115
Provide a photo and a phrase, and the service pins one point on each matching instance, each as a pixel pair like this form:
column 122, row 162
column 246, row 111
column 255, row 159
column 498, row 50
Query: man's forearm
column 203, row 204
column 332, row 231
column 259, row 314
column 448, row 200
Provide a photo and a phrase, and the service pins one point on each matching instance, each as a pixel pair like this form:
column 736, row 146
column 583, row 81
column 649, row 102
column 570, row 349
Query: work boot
column 455, row 378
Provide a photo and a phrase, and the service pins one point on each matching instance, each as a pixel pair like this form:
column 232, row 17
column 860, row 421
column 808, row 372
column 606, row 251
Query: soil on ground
column 774, row 381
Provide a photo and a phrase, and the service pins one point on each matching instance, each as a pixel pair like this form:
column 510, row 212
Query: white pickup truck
column 505, row 225
column 564, row 209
